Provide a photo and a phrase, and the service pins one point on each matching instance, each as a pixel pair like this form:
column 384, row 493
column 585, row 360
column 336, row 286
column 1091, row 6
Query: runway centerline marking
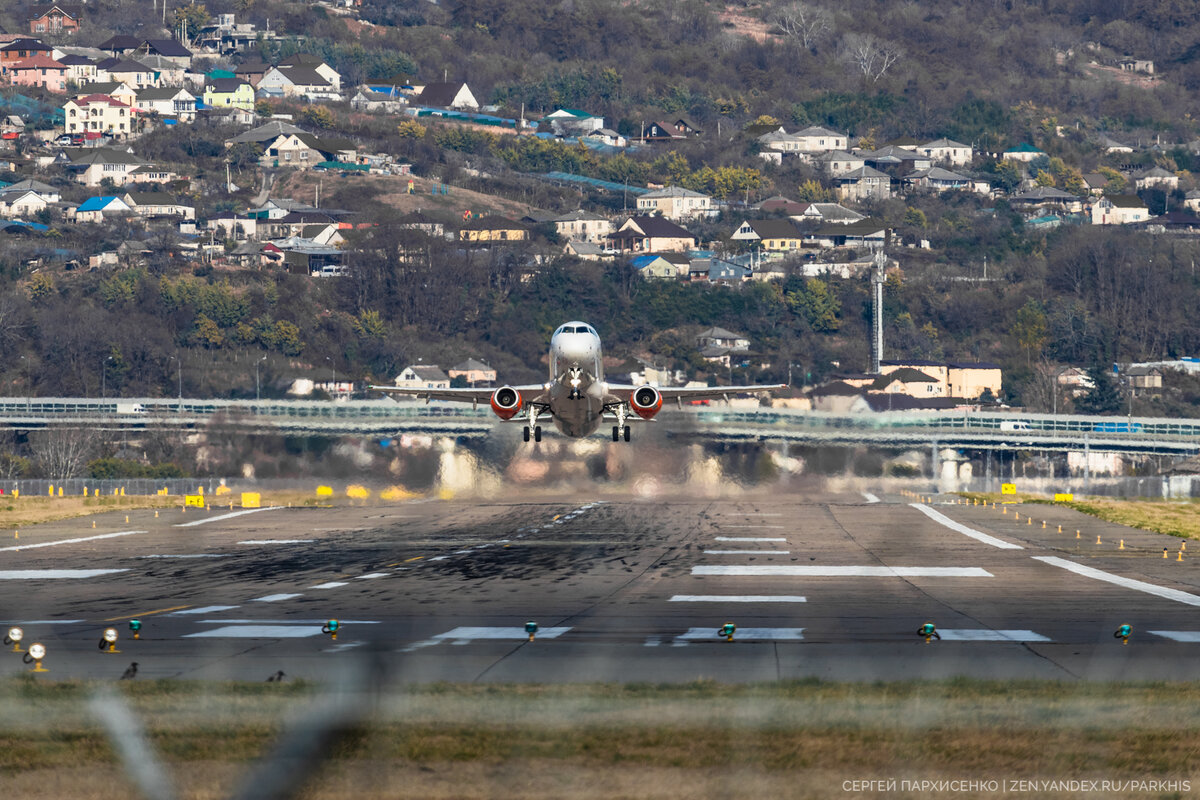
column 68, row 541
column 256, row 632
column 734, row 598
column 203, row 610
column 747, row 552
column 1128, row 583
column 275, row 598
column 870, row 498
column 278, row 541
column 54, row 574
column 986, row 635
column 329, row 585
column 220, row 517
column 978, row 536
column 844, row 572
column 147, row 613
column 745, row 634
column 1175, row 636
column 749, row 539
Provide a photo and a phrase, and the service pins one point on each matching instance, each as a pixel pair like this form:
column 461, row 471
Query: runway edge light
column 727, row 630
column 135, row 627
column 331, row 628
column 929, row 631
column 109, row 640
column 1123, row 633
column 14, row 637
column 531, row 628
column 35, row 656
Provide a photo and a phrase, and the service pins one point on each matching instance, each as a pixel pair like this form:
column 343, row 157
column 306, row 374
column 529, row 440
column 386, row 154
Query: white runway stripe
column 749, row 539
column 1175, row 636
column 192, row 555
column 844, row 572
column 68, row 541
column 53, row 574
column 256, row 632
column 747, row 552
column 978, row 536
column 204, row 610
column 984, row 635
column 752, row 526
column 372, row 576
column 734, row 598
column 275, row 598
column 870, row 498
column 61, row 622
column 220, row 517
column 277, row 541
column 329, row 585
column 1128, row 583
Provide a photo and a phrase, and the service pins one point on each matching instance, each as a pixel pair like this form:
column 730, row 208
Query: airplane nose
column 576, row 350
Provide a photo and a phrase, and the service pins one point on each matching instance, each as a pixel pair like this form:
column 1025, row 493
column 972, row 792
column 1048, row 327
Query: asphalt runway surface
column 819, row 584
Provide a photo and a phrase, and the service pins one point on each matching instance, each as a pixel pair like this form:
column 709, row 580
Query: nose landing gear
column 537, row 433
column 619, row 431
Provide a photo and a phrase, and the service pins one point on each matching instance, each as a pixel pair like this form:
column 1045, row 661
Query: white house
column 809, row 141
column 98, row 113
column 1119, row 209
column 947, row 151
column 447, row 95
column 297, row 82
column 21, row 204
column 419, row 376
column 674, row 202
column 169, row 102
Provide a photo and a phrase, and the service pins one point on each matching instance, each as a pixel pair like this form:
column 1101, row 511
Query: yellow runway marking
column 147, row 613
column 414, row 558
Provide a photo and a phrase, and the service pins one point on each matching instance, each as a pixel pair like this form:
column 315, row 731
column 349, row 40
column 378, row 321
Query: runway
column 822, row 585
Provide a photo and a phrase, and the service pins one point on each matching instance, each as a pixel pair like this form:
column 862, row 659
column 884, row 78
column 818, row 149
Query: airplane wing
column 681, row 393
column 473, row 396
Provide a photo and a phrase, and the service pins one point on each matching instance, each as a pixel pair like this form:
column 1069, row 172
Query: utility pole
column 257, row 384
column 877, row 281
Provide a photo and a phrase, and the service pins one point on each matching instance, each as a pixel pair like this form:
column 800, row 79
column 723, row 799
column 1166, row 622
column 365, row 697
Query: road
column 622, row 590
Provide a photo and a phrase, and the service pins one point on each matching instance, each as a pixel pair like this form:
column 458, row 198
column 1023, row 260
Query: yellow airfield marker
column 1180, row 556
column 1097, row 538
column 1060, row 528
column 1076, row 534
column 1164, row 552
column 1122, row 547
column 1029, row 520
column 16, row 534
column 93, row 523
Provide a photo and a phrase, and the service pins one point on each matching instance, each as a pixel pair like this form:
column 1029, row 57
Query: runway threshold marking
column 68, row 541
column 747, row 552
column 256, row 632
column 147, row 613
column 735, row 598
column 329, row 585
column 1128, row 583
column 203, row 610
column 986, row 635
column 978, row 536
column 466, row 635
column 744, row 634
column 220, row 517
column 275, row 598
column 843, row 572
column 749, row 539
column 870, row 498
column 53, row 574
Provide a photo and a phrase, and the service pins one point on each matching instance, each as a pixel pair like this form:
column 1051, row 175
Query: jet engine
column 646, row 401
column 506, row 402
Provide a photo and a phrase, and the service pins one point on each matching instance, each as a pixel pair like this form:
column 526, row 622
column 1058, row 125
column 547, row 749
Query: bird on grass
column 130, row 672
column 276, row 678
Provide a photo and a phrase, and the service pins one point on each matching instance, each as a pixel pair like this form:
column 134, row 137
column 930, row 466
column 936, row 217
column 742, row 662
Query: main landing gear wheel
column 527, row 433
column 537, row 433
column 616, row 433
column 627, row 433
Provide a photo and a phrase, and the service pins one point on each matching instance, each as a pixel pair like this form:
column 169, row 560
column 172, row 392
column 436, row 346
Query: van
column 131, row 408
column 1014, row 425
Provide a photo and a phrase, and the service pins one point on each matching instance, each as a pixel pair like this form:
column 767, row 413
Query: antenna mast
column 877, row 281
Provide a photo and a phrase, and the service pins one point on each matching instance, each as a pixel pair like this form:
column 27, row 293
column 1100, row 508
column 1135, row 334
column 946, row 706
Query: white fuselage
column 577, row 391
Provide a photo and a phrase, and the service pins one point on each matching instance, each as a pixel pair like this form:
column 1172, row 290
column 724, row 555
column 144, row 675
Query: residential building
column 304, row 150
column 720, row 337
column 866, row 233
column 1022, row 152
column 661, row 266
column 157, row 204
column 573, row 122
column 1143, row 377
column 369, row 100
column 95, row 209
column 38, row 70
column 98, row 114
column 473, row 372
column 1119, row 209
column 297, row 82
column 839, row 162
column 21, row 204
column 55, row 18
column 947, row 151
column 492, row 228
column 315, row 63
column 909, row 381
column 120, row 44
column 676, row 203
column 127, row 70
column 80, row 69
column 171, row 49
column 21, row 49
column 585, row 226
column 960, row 379
column 896, row 160
column 117, row 90
column 420, row 376
column 164, row 71
column 229, row 93
column 643, row 234
column 936, row 179
column 92, row 165
column 1157, row 177
column 864, row 183
column 827, row 213
column 167, row 102
column 448, row 95
column 809, row 141
column 1047, row 198
column 50, row 193
column 772, row 235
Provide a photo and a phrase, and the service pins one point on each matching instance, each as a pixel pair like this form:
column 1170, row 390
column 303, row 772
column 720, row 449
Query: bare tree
column 805, row 23
column 872, row 56
column 62, row 453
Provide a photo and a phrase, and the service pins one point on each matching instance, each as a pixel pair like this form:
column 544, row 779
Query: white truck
column 131, row 408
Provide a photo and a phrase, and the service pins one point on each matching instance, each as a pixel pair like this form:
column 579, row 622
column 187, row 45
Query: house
column 95, row 209
column 584, row 226
column 368, row 99
column 224, row 35
column 726, row 272
column 264, row 134
column 661, row 266
column 1142, row 65
column 1191, row 200
column 867, row 233
column 98, row 114
column 1157, row 177
column 826, row 213
column 685, row 127
column 304, row 150
column 1119, row 209
column 657, row 132
column 839, row 162
column 117, row 90
column 720, row 337
column 38, row 70
column 92, row 165
column 1047, row 198
column 229, row 93
column 168, row 102
column 772, row 235
column 316, row 64
column 492, row 228
column 120, row 44
column 416, row 221
column 909, row 381
column 1022, row 152
column 643, row 234
column 21, row 49
column 607, row 137
column 899, row 160
column 812, row 140
column 131, row 72
column 448, row 95
column 473, row 372
column 157, row 204
column 960, row 379
column 252, row 72
column 297, row 82
column 21, row 204
column 676, row 203
column 419, row 376
column 165, row 71
column 936, row 179
column 947, row 151
column 306, row 257
column 1095, row 182
column 864, row 183
column 779, row 203
column 80, row 69
column 573, row 122
column 586, row 251
column 1143, row 377
column 55, row 18
column 29, row 185
column 171, row 49
column 1111, row 145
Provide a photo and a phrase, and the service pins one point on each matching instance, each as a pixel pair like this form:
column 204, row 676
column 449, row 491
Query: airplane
column 577, row 398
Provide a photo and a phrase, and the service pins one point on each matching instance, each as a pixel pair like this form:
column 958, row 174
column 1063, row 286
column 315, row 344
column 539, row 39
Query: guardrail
column 384, row 416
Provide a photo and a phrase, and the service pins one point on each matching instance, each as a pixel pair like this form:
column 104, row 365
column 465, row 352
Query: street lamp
column 104, row 376
column 28, row 387
column 333, row 382
column 177, row 360
column 257, row 385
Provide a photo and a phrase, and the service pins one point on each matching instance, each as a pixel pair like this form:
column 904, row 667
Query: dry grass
column 799, row 739
column 1172, row 517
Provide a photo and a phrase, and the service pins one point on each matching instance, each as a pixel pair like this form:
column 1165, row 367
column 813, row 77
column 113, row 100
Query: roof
column 427, row 373
column 440, row 94
column 103, row 87
column 672, row 191
column 936, row 174
column 88, row 100
column 302, row 60
column 492, row 222
column 303, row 76
column 102, row 155
column 580, row 216
column 167, row 47
column 26, row 44
column 718, row 333
column 72, row 60
column 71, row 10
column 773, row 228
column 904, row 375
column 834, row 212
column 257, row 68
column 167, row 93
column 30, row 185
column 861, row 173
column 1157, row 172
column 98, row 203
column 38, row 61
column 151, row 199
column 1043, row 193
column 938, row 143
column 127, row 65
column 837, row 155
column 266, row 133
column 471, row 365
column 660, row 228
column 121, row 42
column 904, row 402
column 1023, row 147
column 226, row 85
column 1125, row 200
column 817, row 130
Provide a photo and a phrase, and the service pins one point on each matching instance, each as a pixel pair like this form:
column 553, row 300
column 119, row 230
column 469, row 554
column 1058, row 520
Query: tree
column 804, row 23
column 192, row 16
column 1103, row 397
column 318, row 116
column 1029, row 329
column 873, row 57
column 817, row 305
column 62, row 453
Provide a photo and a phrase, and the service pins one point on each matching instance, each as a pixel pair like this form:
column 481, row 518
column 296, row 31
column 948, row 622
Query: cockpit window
column 592, row 331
